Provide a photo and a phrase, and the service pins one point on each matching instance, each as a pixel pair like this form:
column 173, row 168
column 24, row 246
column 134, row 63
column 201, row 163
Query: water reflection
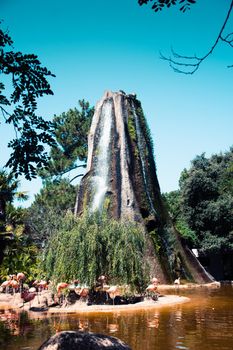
column 153, row 322
column 15, row 323
column 204, row 323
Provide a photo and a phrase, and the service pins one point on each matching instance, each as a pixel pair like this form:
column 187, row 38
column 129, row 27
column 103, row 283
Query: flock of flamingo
column 14, row 281
column 16, row 284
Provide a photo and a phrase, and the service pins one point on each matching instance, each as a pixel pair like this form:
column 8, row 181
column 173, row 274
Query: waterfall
column 142, row 158
column 100, row 180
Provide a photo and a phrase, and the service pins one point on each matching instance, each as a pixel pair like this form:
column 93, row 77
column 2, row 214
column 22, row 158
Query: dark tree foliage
column 29, row 82
column 202, row 209
column 9, row 217
column 172, row 201
column 159, row 5
column 20, row 254
column 207, row 200
column 71, row 131
column 45, row 215
column 8, row 192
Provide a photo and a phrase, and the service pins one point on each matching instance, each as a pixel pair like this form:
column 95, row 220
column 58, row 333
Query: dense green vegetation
column 25, row 231
column 173, row 203
column 10, row 218
column 8, row 191
column 92, row 245
column 202, row 208
column 49, row 208
column 20, row 253
column 70, row 150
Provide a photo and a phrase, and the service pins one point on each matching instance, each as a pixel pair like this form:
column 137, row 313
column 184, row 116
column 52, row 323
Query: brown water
column 204, row 323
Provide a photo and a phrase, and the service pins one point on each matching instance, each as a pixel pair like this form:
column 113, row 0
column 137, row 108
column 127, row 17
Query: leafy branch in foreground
column 29, row 82
column 159, row 5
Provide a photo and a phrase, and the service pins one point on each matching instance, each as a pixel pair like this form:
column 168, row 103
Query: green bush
column 20, row 255
column 92, row 245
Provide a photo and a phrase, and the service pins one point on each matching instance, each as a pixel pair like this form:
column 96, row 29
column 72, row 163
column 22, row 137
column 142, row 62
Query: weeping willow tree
column 91, row 245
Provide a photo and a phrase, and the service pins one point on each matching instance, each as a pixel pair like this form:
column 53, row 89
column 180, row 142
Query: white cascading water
column 100, row 180
column 142, row 157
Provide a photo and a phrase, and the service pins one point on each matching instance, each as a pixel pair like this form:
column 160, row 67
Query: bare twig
column 76, row 177
column 74, row 167
column 4, row 113
column 194, row 61
column 228, row 39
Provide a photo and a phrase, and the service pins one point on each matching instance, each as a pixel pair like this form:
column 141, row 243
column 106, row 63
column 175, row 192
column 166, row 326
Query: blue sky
column 92, row 46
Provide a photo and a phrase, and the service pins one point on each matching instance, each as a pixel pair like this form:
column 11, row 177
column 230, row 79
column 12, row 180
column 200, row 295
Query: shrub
column 91, row 245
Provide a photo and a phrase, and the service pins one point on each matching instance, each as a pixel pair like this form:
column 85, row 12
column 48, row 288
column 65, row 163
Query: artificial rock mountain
column 121, row 176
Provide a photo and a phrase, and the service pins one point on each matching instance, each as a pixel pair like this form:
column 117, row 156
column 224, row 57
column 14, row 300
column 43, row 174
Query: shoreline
column 8, row 303
column 14, row 302
column 167, row 300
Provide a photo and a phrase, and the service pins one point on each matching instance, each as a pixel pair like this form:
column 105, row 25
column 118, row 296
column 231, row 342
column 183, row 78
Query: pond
column 206, row 322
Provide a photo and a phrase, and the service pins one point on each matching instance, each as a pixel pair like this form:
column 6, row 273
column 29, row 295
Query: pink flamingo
column 20, row 278
column 60, row 286
column 155, row 281
column 113, row 291
column 35, row 283
column 5, row 285
column 15, row 285
column 42, row 285
column 27, row 297
column 152, row 288
column 84, row 291
column 177, row 283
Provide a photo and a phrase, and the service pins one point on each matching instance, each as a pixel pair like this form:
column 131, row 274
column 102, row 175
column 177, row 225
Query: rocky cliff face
column 121, row 177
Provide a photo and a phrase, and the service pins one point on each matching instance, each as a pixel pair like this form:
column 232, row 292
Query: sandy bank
column 15, row 302
column 167, row 300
